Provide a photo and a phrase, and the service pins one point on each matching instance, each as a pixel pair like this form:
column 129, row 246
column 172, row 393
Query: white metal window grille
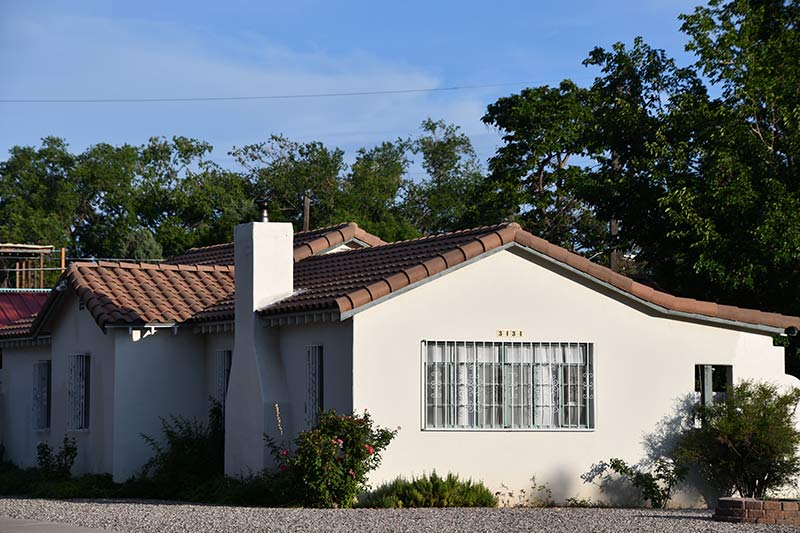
column 42, row 384
column 508, row 385
column 314, row 381
column 78, row 391
column 223, row 371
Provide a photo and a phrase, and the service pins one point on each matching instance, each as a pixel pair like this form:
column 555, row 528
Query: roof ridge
column 327, row 229
column 321, row 231
column 142, row 265
column 478, row 230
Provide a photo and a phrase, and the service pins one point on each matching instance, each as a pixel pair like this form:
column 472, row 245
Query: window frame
column 223, row 360
column 72, row 402
column 315, row 357
column 48, row 399
column 591, row 413
column 704, row 389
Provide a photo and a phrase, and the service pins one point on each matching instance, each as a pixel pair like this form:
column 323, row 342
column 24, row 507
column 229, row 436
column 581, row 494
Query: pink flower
column 351, row 473
column 283, row 468
column 369, row 449
column 284, row 453
column 339, row 442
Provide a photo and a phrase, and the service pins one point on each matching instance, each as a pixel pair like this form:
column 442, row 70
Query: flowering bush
column 330, row 463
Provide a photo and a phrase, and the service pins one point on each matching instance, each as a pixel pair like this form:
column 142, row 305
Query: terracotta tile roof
column 19, row 304
column 132, row 293
column 142, row 293
column 18, row 328
column 306, row 243
column 349, row 280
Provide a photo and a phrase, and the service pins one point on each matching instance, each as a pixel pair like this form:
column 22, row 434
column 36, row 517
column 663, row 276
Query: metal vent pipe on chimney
column 261, row 203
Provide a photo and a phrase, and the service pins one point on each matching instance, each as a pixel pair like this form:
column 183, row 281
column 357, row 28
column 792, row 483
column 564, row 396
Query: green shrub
column 748, row 443
column 87, row 486
column 56, row 466
column 330, row 463
column 585, row 503
column 655, row 485
column 188, row 455
column 430, row 491
column 15, row 481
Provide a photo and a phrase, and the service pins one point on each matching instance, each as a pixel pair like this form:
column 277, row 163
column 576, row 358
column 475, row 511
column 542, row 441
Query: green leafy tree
column 51, row 196
column 699, row 193
column 285, row 172
column 186, row 200
column 531, row 179
column 140, row 245
column 445, row 200
column 370, row 191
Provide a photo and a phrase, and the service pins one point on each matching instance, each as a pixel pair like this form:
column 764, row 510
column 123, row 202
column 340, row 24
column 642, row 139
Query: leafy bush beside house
column 330, row 463
column 188, row 455
column 56, row 466
column 747, row 444
column 655, row 484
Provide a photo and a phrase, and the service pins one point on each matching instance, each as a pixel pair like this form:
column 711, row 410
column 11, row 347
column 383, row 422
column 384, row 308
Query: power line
column 246, row 98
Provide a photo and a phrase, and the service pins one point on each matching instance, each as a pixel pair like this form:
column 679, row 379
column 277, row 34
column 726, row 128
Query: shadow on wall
column 659, row 444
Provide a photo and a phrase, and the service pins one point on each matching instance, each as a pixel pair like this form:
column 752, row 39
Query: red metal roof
column 16, row 305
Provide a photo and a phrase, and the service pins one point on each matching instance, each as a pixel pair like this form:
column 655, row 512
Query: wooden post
column 614, row 259
column 16, row 272
column 63, row 258
column 41, row 271
column 306, row 212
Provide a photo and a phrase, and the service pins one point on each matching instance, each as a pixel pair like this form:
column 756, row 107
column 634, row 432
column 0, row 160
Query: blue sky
column 146, row 49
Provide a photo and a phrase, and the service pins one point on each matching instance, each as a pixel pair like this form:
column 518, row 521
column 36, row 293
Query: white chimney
column 264, row 259
column 264, row 262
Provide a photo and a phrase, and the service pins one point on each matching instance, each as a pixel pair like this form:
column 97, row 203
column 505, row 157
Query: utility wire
column 246, row 98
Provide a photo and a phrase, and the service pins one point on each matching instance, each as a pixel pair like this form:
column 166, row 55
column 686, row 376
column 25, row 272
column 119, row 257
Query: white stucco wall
column 336, row 341
column 74, row 332
column 643, row 364
column 157, row 375
column 136, row 378
column 19, row 438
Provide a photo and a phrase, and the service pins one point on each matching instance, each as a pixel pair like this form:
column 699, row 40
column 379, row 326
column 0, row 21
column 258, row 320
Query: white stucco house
column 500, row 356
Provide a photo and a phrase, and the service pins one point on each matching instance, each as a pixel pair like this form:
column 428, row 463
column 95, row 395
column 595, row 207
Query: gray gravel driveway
column 173, row 517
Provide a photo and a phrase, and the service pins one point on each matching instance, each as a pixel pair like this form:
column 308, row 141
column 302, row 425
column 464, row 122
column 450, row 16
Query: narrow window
column 78, row 391
column 508, row 385
column 712, row 382
column 223, row 364
column 42, row 382
column 314, row 382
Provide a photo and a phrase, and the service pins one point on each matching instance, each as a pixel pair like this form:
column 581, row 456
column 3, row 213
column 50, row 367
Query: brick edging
column 750, row 510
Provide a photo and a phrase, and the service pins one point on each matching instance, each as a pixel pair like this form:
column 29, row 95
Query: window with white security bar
column 508, row 385
column 42, row 395
column 314, row 384
column 78, row 391
column 223, row 371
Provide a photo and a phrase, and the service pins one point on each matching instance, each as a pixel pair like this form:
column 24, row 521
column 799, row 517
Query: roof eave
column 664, row 311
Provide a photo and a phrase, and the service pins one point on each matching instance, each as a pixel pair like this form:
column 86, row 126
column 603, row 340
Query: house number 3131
column 509, row 333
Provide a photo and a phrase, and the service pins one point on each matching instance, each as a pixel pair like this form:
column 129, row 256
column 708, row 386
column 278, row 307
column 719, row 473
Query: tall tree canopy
column 156, row 200
column 705, row 189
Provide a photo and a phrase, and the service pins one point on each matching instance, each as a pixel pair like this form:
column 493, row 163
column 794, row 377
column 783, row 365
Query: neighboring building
column 501, row 356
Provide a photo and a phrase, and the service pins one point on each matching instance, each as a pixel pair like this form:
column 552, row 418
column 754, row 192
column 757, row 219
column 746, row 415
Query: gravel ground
column 173, row 517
